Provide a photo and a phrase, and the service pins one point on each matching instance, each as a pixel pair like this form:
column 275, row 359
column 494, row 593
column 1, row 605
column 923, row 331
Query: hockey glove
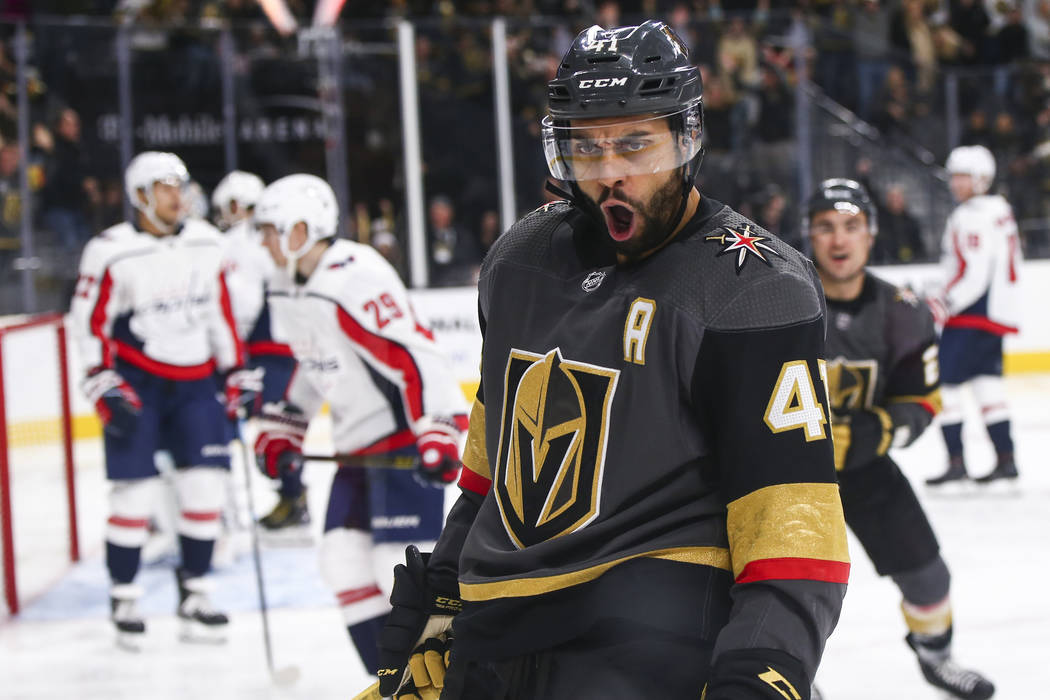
column 115, row 401
column 437, row 440
column 757, row 674
column 279, row 446
column 860, row 436
column 244, row 390
column 415, row 643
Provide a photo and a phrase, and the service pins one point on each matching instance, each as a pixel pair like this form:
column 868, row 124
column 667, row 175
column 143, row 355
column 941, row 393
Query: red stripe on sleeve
column 98, row 317
column 472, row 481
column 389, row 354
column 269, row 347
column 792, row 568
column 227, row 314
column 960, row 261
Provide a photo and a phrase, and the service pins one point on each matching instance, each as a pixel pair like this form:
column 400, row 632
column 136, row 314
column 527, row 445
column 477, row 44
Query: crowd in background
column 886, row 61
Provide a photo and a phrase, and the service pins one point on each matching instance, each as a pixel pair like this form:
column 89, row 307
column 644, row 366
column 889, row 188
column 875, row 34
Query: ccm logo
column 603, row 82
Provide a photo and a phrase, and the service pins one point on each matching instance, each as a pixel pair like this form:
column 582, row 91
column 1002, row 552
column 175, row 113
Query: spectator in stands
column 738, row 64
column 871, row 41
column 911, row 33
column 978, row 132
column 836, row 59
column 10, row 206
column 970, row 22
column 69, row 188
column 1037, row 19
column 900, row 236
column 894, row 104
column 454, row 252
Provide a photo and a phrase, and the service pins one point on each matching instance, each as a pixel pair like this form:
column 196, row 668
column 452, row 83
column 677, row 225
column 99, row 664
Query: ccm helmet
column 641, row 72
column 294, row 199
column 975, row 161
column 238, row 186
column 845, row 195
column 147, row 169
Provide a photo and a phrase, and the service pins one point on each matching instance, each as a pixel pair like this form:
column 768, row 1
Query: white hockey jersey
column 359, row 346
column 159, row 304
column 248, row 268
column 981, row 261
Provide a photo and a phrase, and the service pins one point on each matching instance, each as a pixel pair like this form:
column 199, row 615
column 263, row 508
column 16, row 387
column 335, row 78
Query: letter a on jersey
column 552, row 445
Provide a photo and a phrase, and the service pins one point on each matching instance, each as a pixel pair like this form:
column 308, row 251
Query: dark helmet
column 844, row 195
column 624, row 71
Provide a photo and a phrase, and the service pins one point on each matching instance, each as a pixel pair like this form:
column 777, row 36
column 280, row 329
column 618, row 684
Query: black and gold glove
column 860, row 436
column 414, row 646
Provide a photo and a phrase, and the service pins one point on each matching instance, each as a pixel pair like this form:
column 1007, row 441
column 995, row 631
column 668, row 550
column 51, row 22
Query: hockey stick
column 286, row 675
column 370, row 461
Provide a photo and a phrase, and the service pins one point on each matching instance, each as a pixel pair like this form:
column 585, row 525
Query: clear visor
column 621, row 149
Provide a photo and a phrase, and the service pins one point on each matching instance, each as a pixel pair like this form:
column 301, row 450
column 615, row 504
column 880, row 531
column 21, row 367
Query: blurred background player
column 249, row 269
column 389, row 389
column 883, row 388
column 981, row 261
column 152, row 317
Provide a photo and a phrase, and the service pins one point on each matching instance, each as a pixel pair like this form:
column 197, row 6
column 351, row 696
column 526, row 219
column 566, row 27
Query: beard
column 655, row 216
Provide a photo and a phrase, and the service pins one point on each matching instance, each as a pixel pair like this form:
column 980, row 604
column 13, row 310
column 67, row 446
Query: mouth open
column 840, row 257
column 620, row 220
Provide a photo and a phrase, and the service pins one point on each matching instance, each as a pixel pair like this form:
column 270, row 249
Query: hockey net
column 38, row 523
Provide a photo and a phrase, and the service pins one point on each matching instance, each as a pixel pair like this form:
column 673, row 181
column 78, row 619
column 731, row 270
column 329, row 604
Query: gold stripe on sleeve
column 787, row 521
column 475, row 455
column 717, row 557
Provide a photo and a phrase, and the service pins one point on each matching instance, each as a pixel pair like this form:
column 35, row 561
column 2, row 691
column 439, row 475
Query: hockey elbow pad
column 757, row 674
column 416, row 629
column 860, row 437
column 117, row 404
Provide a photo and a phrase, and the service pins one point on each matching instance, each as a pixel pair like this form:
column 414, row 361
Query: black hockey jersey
column 669, row 411
column 882, row 358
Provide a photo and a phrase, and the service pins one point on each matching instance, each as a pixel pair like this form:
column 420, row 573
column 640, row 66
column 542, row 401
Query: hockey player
column 883, row 389
column 390, row 391
column 153, row 322
column 249, row 270
column 981, row 262
column 649, row 506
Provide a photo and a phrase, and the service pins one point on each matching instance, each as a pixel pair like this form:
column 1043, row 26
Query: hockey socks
column 365, row 636
column 122, row 562
column 196, row 555
column 953, row 438
column 1000, row 435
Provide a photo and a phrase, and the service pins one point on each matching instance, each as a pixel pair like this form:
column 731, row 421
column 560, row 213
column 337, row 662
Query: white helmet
column 238, row 186
column 147, row 169
column 294, row 198
column 975, row 161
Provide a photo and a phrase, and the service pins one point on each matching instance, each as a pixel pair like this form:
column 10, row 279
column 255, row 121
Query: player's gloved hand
column 115, row 401
column 244, row 390
column 860, row 436
column 757, row 674
column 279, row 446
column 415, row 643
column 437, row 439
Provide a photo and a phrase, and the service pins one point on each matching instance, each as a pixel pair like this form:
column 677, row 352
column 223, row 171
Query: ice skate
column 288, row 524
column 935, row 661
column 1006, row 471
column 954, row 480
column 199, row 622
column 123, row 607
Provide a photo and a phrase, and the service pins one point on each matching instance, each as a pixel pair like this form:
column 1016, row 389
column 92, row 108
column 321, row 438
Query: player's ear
column 141, row 194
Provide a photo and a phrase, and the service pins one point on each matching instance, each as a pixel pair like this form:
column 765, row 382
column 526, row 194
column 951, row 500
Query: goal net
column 38, row 525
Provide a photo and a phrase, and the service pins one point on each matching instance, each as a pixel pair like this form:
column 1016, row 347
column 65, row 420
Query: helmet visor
column 621, row 149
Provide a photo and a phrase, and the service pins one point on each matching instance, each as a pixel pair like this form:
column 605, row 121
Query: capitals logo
column 552, row 446
column 745, row 244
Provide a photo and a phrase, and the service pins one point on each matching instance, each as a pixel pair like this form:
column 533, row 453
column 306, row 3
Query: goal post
column 38, row 515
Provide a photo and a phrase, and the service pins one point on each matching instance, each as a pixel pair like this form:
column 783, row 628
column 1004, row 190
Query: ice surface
column 996, row 546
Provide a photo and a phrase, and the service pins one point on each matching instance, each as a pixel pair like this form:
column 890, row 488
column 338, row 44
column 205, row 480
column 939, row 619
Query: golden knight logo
column 851, row 383
column 552, row 447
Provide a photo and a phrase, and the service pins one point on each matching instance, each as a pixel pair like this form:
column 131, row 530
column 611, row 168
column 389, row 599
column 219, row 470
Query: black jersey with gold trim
column 667, row 412
column 882, row 354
